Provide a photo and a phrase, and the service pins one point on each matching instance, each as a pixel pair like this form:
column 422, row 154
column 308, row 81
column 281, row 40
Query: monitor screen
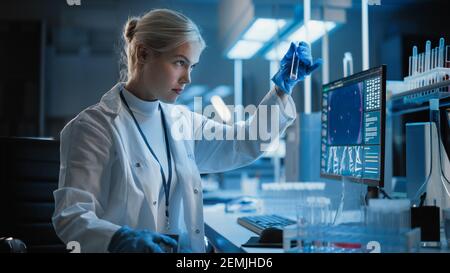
column 352, row 132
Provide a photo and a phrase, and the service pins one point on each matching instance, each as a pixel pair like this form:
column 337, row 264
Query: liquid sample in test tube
column 294, row 67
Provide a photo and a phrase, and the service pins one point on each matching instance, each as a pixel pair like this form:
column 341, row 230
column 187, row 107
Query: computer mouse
column 271, row 235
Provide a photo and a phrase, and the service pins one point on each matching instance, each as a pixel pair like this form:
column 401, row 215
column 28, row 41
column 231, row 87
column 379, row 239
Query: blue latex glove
column 129, row 240
column 305, row 67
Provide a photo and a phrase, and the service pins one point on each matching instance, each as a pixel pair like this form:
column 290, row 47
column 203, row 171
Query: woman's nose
column 186, row 79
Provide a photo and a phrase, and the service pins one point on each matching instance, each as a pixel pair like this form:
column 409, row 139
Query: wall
column 82, row 47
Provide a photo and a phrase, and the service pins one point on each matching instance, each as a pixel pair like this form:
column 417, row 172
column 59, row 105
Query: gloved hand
column 129, row 240
column 305, row 67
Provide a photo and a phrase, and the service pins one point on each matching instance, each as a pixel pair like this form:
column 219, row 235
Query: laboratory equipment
column 430, row 67
column 294, row 66
column 350, row 238
column 388, row 215
column 353, row 128
column 427, row 166
column 348, row 64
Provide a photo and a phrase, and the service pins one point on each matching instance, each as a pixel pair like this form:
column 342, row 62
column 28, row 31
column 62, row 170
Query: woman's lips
column 178, row 91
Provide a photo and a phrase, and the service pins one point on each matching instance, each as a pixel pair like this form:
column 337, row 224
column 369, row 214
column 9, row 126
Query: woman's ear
column 142, row 54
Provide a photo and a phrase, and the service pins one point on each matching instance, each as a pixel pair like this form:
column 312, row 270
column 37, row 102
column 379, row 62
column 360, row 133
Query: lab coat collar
column 111, row 103
column 142, row 107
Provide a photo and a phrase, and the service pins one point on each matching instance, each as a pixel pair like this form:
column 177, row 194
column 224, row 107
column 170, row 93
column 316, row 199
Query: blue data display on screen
column 352, row 127
column 345, row 115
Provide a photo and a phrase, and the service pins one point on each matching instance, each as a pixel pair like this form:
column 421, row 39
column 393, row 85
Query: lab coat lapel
column 140, row 160
column 183, row 165
column 188, row 178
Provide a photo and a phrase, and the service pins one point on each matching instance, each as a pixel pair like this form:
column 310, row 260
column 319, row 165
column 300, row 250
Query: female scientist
column 127, row 179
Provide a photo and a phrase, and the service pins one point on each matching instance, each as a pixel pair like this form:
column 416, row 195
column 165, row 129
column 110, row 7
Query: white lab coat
column 107, row 175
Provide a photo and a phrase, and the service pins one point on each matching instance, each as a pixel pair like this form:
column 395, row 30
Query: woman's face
column 166, row 75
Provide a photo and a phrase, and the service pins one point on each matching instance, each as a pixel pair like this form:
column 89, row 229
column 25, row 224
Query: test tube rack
column 429, row 67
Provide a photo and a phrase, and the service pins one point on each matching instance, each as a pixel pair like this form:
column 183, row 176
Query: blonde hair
column 161, row 30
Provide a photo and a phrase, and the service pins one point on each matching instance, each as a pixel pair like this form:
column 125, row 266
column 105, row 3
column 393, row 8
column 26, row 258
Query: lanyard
column 166, row 183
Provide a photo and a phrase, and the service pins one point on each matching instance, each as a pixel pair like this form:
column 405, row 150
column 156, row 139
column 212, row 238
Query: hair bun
column 130, row 29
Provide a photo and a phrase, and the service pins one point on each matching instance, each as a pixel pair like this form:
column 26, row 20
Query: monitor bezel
column 363, row 74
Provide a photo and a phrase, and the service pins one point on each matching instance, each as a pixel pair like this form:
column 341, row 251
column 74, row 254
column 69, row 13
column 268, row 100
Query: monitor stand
column 423, row 160
column 372, row 193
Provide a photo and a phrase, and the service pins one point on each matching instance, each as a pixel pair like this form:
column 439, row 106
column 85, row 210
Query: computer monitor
column 353, row 128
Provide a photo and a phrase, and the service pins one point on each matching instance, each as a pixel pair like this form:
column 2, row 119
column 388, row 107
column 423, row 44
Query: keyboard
column 258, row 223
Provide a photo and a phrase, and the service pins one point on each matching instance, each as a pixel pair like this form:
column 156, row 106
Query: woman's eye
column 180, row 63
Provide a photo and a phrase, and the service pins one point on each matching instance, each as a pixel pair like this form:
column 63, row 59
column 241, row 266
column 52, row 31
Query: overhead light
column 263, row 29
column 316, row 29
column 244, row 49
column 221, row 108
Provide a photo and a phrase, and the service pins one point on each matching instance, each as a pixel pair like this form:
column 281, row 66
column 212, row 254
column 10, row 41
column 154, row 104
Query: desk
column 227, row 235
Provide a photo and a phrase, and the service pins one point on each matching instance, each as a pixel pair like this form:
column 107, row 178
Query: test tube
column 294, row 66
column 422, row 62
column 441, row 52
column 410, row 66
column 427, row 55
column 419, row 63
column 436, row 63
column 447, row 56
column 433, row 53
column 414, row 72
column 422, row 67
column 436, row 57
column 432, row 58
column 447, row 61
